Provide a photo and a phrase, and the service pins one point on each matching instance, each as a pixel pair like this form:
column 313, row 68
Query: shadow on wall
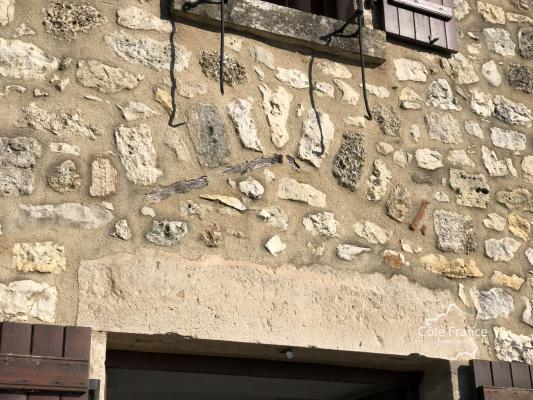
column 165, row 11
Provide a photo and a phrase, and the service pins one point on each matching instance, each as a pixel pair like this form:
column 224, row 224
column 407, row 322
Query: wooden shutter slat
column 406, row 21
column 501, row 374
column 391, row 18
column 438, row 32
column 482, row 373
column 46, row 362
column 47, row 341
column 451, row 29
column 15, row 339
column 451, row 35
column 77, row 345
column 520, row 375
column 422, row 29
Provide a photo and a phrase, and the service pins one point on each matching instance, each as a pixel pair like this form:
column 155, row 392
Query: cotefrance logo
column 453, row 334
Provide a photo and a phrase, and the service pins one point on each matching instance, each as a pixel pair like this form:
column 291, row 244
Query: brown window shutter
column 499, row 380
column 44, row 362
column 426, row 22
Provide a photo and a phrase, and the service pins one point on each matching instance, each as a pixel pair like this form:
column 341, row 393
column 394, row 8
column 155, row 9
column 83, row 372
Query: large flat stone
column 105, row 78
column 7, row 11
column 21, row 60
column 511, row 346
column 208, row 134
column 350, row 160
column 71, row 214
column 455, row 232
column 149, row 52
column 18, row 157
column 155, row 292
column 21, row 300
column 137, row 154
column 39, row 257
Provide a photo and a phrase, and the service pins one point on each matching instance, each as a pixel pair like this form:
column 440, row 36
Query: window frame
column 288, row 26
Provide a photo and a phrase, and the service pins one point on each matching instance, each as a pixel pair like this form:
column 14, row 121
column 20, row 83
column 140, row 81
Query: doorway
column 140, row 376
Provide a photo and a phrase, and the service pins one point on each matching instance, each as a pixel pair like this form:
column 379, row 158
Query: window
column 426, row 22
column 300, row 23
column 337, row 9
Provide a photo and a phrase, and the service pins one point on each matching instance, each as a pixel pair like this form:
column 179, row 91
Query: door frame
column 407, row 383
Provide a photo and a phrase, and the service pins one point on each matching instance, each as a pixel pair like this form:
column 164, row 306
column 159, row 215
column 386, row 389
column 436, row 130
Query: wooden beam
column 257, row 368
column 50, row 374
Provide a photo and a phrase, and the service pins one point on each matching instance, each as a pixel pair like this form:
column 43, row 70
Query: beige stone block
column 104, row 178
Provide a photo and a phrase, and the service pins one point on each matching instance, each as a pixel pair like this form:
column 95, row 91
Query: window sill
column 290, row 26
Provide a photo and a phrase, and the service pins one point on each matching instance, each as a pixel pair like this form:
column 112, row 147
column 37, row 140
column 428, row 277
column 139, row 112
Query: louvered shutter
column 499, row 380
column 44, row 362
column 427, row 22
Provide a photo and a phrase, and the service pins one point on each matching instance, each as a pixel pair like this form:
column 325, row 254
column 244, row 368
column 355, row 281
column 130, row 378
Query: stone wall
column 128, row 201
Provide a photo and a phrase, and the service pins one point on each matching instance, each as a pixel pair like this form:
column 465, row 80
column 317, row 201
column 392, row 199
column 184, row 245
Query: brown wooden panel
column 521, row 376
column 406, row 20
column 15, row 338
column 507, row 394
column 482, row 373
column 47, row 340
column 77, row 343
column 438, row 32
column 43, row 373
column 501, row 374
column 390, row 18
column 451, row 35
column 422, row 29
column 451, row 30
column 77, row 346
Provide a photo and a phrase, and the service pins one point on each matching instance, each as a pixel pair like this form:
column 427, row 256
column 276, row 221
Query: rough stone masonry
column 428, row 205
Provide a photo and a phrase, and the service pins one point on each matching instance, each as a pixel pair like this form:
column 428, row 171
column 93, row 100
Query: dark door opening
column 141, row 376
